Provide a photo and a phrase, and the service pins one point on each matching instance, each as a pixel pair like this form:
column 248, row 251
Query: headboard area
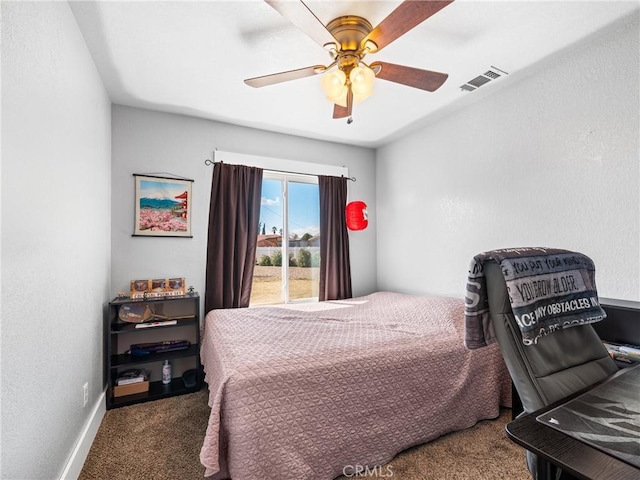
column 622, row 324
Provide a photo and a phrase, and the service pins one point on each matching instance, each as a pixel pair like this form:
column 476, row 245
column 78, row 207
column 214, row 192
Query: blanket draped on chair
column 549, row 289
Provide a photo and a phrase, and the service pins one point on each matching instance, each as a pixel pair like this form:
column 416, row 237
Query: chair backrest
column 558, row 365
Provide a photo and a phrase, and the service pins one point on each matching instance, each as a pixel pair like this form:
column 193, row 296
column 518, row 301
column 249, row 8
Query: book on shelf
column 142, row 349
column 157, row 324
column 134, row 375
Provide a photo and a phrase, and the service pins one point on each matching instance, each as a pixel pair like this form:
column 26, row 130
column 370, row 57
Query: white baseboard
column 79, row 455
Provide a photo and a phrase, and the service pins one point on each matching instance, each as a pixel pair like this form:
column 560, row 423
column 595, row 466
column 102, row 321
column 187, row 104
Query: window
column 288, row 253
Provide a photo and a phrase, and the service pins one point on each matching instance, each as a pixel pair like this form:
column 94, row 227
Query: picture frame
column 157, row 287
column 162, row 206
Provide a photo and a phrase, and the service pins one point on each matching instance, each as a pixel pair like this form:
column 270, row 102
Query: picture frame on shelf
column 157, row 287
column 162, row 206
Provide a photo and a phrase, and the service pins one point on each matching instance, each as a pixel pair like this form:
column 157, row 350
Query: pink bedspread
column 306, row 391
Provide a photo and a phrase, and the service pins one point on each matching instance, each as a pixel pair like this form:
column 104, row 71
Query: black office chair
column 558, row 365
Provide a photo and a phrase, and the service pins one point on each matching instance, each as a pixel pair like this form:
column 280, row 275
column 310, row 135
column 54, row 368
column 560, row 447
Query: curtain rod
column 211, row 162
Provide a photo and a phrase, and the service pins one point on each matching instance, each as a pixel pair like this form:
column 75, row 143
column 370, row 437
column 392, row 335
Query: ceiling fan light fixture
column 341, row 99
column 348, row 39
column 362, row 79
column 335, row 87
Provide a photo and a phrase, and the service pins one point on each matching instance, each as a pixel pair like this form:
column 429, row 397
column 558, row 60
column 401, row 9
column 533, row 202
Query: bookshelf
column 175, row 318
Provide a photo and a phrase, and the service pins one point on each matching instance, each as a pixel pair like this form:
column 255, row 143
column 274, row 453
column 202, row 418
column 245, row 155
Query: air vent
column 491, row 74
column 478, row 81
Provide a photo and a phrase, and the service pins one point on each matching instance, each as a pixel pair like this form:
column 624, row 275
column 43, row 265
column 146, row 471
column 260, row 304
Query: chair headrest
column 548, row 289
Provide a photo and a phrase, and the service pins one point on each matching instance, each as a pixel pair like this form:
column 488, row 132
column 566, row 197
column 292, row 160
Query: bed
column 309, row 391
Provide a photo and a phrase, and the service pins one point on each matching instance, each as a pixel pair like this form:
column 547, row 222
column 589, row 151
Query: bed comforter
column 311, row 391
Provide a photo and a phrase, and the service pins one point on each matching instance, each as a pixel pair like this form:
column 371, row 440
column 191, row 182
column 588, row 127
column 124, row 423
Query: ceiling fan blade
column 413, row 77
column 341, row 112
column 409, row 14
column 303, row 18
column 284, row 76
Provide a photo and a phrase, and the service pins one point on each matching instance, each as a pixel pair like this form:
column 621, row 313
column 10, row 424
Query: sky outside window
column 304, row 207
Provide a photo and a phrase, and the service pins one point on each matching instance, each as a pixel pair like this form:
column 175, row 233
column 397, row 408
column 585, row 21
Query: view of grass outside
column 267, row 285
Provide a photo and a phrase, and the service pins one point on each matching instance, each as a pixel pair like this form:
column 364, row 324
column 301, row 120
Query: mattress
column 307, row 391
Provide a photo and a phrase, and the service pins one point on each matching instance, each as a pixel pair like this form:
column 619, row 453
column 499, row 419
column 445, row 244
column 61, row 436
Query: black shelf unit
column 120, row 335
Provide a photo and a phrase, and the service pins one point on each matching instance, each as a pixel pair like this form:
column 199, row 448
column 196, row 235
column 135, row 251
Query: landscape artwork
column 163, row 206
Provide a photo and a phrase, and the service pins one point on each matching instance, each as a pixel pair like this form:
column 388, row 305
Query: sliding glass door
column 288, row 253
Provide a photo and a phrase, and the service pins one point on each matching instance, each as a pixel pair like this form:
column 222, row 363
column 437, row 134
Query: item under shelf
column 155, row 391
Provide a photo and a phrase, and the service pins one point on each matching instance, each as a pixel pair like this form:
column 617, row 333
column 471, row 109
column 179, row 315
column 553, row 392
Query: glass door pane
column 267, row 274
column 303, row 229
column 287, row 270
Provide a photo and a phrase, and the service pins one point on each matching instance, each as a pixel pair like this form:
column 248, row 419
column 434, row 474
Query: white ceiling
column 192, row 57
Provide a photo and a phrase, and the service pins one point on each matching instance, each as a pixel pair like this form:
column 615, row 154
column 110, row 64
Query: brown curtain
column 335, row 267
column 234, row 213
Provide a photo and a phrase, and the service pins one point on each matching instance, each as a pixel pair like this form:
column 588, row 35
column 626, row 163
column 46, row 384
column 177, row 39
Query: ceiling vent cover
column 492, row 74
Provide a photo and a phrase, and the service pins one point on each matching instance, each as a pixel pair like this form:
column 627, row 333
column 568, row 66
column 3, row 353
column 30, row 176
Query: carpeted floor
column 161, row 440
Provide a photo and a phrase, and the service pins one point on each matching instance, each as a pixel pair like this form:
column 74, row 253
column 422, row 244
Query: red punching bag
column 357, row 215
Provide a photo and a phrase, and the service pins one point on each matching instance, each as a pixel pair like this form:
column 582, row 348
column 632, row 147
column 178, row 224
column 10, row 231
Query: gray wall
column 56, row 191
column 551, row 160
column 145, row 141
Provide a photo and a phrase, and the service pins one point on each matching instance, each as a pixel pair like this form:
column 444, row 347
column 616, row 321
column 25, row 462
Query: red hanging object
column 357, row 215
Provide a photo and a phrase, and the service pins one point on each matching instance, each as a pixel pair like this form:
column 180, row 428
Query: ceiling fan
column 348, row 39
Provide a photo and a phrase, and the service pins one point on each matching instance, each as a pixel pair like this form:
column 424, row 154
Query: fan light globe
column 362, row 79
column 335, row 88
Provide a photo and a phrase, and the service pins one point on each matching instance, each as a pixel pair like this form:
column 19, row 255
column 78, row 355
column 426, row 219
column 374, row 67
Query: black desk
column 571, row 455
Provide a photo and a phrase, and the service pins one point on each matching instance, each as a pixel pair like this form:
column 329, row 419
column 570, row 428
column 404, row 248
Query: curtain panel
column 335, row 266
column 234, row 213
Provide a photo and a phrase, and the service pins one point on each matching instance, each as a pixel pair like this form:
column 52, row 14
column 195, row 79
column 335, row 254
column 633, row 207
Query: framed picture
column 162, row 206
